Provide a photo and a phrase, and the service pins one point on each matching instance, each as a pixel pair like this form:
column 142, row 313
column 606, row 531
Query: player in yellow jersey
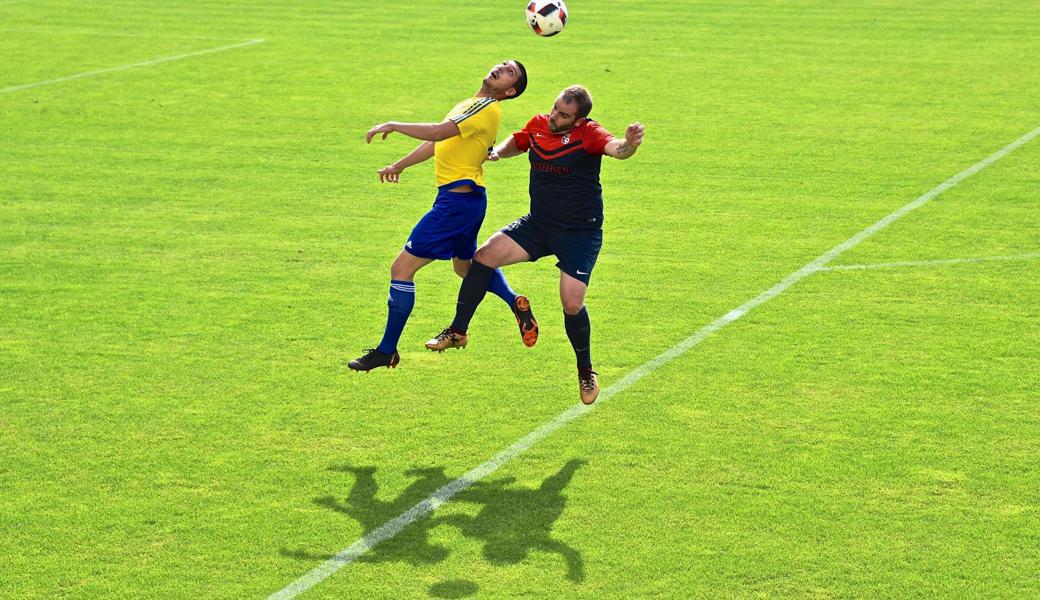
column 459, row 145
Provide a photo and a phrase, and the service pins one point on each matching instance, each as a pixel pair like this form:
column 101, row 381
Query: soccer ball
column 546, row 17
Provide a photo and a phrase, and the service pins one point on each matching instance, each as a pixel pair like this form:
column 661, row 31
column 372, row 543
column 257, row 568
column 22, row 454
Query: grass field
column 193, row 242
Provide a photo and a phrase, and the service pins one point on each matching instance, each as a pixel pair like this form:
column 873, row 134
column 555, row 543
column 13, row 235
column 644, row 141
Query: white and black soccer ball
column 546, row 17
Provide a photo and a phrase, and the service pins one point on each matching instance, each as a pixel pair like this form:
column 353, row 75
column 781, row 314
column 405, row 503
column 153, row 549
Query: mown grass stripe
column 146, row 63
column 933, row 263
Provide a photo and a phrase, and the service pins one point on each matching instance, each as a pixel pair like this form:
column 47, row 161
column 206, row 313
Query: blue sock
column 401, row 301
column 500, row 287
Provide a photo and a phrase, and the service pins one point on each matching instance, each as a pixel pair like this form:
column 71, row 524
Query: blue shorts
column 450, row 229
column 575, row 249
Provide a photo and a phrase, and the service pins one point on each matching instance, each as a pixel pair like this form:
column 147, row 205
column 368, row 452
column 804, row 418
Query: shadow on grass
column 512, row 521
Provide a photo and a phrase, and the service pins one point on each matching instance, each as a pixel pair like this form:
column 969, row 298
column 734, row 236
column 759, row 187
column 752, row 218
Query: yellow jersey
column 462, row 156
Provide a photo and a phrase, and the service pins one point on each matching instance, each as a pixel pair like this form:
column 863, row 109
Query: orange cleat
column 525, row 319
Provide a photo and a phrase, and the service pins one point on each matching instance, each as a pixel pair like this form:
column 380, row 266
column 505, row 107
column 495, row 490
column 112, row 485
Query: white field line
column 130, row 34
column 393, row 527
column 931, row 263
column 125, row 67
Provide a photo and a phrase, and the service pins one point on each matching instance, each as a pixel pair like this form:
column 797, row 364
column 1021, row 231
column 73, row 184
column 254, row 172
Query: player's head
column 506, row 80
column 572, row 106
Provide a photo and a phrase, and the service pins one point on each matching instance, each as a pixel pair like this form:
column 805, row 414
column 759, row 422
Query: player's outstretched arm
column 622, row 149
column 506, row 149
column 392, row 173
column 430, row 132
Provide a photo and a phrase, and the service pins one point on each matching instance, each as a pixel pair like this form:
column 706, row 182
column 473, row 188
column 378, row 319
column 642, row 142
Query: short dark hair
column 521, row 81
column 576, row 94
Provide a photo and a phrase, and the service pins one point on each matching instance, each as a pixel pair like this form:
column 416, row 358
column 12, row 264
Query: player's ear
column 510, row 92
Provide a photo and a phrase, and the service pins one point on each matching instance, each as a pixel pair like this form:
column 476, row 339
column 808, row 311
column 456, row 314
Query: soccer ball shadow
column 458, row 588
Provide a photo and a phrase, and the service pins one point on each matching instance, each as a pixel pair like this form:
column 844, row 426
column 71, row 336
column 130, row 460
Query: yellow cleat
column 447, row 339
column 588, row 384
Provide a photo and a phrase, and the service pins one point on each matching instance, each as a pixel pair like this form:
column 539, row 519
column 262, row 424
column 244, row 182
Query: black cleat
column 374, row 358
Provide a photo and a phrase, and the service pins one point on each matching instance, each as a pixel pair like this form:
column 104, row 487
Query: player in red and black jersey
column 565, row 149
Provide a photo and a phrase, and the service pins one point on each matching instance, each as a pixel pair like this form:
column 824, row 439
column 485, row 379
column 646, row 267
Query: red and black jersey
column 565, row 187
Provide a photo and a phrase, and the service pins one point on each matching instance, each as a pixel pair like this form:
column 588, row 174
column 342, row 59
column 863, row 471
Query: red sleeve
column 596, row 138
column 523, row 140
column 523, row 137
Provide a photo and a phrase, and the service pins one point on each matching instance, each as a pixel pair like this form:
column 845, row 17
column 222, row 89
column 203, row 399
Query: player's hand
column 390, row 174
column 634, row 134
column 492, row 155
column 383, row 128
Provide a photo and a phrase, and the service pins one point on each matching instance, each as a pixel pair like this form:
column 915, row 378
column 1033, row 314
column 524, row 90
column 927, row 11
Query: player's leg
column 402, row 296
column 500, row 250
column 432, row 238
column 497, row 286
column 578, row 254
column 576, row 318
column 399, row 307
column 507, row 251
column 466, row 246
column 579, row 331
column 461, row 266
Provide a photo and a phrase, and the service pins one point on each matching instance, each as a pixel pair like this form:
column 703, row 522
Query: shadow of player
column 412, row 545
column 512, row 522
column 516, row 521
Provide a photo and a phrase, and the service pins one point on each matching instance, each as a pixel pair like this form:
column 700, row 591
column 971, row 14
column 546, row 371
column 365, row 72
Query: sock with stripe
column 400, row 303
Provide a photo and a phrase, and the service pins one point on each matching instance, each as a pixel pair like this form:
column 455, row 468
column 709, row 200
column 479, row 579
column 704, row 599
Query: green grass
column 191, row 251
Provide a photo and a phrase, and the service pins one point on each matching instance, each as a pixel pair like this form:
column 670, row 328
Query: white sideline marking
column 930, row 263
column 444, row 494
column 125, row 67
column 131, row 34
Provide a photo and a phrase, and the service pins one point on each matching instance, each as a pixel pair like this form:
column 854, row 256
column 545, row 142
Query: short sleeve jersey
column 461, row 157
column 565, row 188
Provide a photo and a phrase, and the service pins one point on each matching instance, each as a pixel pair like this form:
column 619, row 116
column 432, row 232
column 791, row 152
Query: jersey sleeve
column 523, row 137
column 474, row 118
column 597, row 138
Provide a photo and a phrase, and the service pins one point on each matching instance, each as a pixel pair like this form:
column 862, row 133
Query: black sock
column 579, row 331
column 471, row 293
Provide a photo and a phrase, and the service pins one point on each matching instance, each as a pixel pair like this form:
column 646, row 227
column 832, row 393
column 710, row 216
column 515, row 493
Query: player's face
column 562, row 116
column 502, row 76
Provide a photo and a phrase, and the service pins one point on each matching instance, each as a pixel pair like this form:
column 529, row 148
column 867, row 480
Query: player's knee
column 486, row 256
column 401, row 272
column 572, row 306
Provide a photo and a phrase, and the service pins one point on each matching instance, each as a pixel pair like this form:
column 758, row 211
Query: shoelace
column 446, row 334
column 586, row 381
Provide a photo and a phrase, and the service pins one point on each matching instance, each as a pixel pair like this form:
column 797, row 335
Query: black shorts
column 575, row 249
